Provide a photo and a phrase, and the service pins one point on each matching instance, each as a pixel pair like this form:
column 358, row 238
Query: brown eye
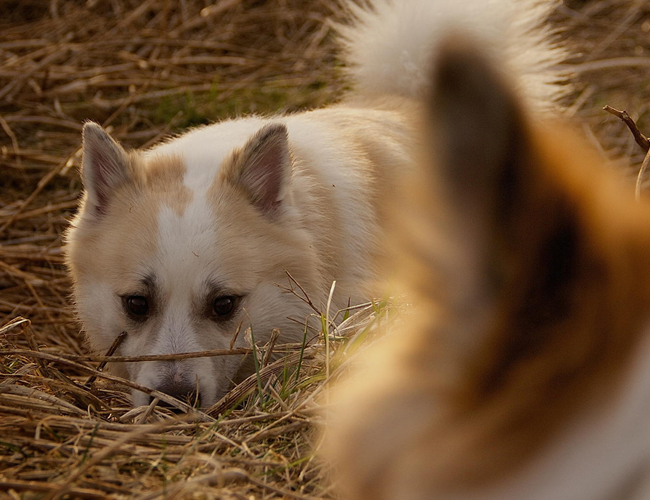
column 223, row 307
column 136, row 306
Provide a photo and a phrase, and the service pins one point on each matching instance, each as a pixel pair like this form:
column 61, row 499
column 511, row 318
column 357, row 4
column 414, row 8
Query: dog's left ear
column 262, row 169
column 106, row 166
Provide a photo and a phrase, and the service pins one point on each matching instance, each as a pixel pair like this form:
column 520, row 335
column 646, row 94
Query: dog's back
column 524, row 371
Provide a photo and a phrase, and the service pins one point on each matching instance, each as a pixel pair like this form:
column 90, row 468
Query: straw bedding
column 146, row 69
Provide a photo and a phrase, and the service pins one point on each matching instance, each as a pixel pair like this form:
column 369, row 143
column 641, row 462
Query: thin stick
column 275, row 334
column 137, row 359
column 639, row 178
column 39, row 486
column 128, row 383
column 305, row 297
column 145, row 415
column 14, row 323
column 14, row 141
column 33, row 346
column 234, row 337
column 640, row 139
column 100, row 455
column 43, row 182
column 111, row 350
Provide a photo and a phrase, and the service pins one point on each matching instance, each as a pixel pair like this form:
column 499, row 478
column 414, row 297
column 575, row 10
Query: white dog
column 182, row 244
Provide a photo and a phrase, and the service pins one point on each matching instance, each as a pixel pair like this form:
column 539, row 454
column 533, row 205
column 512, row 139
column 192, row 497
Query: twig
column 249, row 384
column 136, row 359
column 640, row 139
column 234, row 337
column 14, row 323
column 48, row 487
column 305, row 297
column 111, row 350
column 14, row 141
column 128, row 383
column 639, row 179
column 33, row 346
column 43, row 182
column 145, row 415
column 221, row 479
column 275, row 334
column 99, row 456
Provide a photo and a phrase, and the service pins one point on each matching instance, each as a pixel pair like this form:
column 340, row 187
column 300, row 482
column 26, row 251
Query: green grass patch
column 192, row 109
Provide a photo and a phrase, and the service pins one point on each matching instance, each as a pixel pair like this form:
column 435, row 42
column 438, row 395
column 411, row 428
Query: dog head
column 181, row 255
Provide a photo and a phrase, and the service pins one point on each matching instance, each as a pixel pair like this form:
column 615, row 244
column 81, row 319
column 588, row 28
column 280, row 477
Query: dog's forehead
column 185, row 250
column 198, row 231
column 195, row 247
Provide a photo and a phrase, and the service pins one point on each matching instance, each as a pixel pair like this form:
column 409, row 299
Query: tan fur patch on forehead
column 131, row 226
column 163, row 177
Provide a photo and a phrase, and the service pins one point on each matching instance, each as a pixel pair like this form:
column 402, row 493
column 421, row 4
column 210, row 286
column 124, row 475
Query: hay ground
column 146, row 69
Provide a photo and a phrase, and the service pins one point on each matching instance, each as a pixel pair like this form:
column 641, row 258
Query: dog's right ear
column 105, row 166
column 261, row 170
column 481, row 136
column 481, row 148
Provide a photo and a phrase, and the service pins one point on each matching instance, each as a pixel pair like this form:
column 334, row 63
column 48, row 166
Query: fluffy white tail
column 390, row 45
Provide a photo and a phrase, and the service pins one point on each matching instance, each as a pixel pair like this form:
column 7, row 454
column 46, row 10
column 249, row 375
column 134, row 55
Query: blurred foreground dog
column 524, row 371
column 183, row 244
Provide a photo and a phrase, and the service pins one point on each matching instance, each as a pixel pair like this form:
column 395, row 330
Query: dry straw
column 146, row 69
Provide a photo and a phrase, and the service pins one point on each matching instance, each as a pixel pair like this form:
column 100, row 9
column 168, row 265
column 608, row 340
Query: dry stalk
column 641, row 140
column 111, row 350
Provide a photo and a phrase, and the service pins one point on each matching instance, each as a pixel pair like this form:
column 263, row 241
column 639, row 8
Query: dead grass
column 611, row 43
column 146, row 69
column 66, row 435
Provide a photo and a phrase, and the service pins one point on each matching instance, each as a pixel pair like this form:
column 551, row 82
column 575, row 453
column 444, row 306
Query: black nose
column 181, row 390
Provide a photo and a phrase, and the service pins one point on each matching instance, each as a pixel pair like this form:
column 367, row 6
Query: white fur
column 389, row 47
column 203, row 149
column 185, row 255
column 313, row 141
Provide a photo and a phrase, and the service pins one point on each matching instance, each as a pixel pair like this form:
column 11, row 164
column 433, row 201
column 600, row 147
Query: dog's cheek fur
column 96, row 252
column 258, row 254
column 104, row 254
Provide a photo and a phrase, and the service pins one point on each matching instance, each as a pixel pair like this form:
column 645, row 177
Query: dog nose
column 181, row 390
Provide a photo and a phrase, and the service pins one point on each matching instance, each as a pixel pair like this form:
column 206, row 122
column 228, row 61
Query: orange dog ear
column 481, row 143
column 482, row 161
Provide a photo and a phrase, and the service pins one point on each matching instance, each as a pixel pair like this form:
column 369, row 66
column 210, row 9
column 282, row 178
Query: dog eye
column 224, row 306
column 137, row 306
